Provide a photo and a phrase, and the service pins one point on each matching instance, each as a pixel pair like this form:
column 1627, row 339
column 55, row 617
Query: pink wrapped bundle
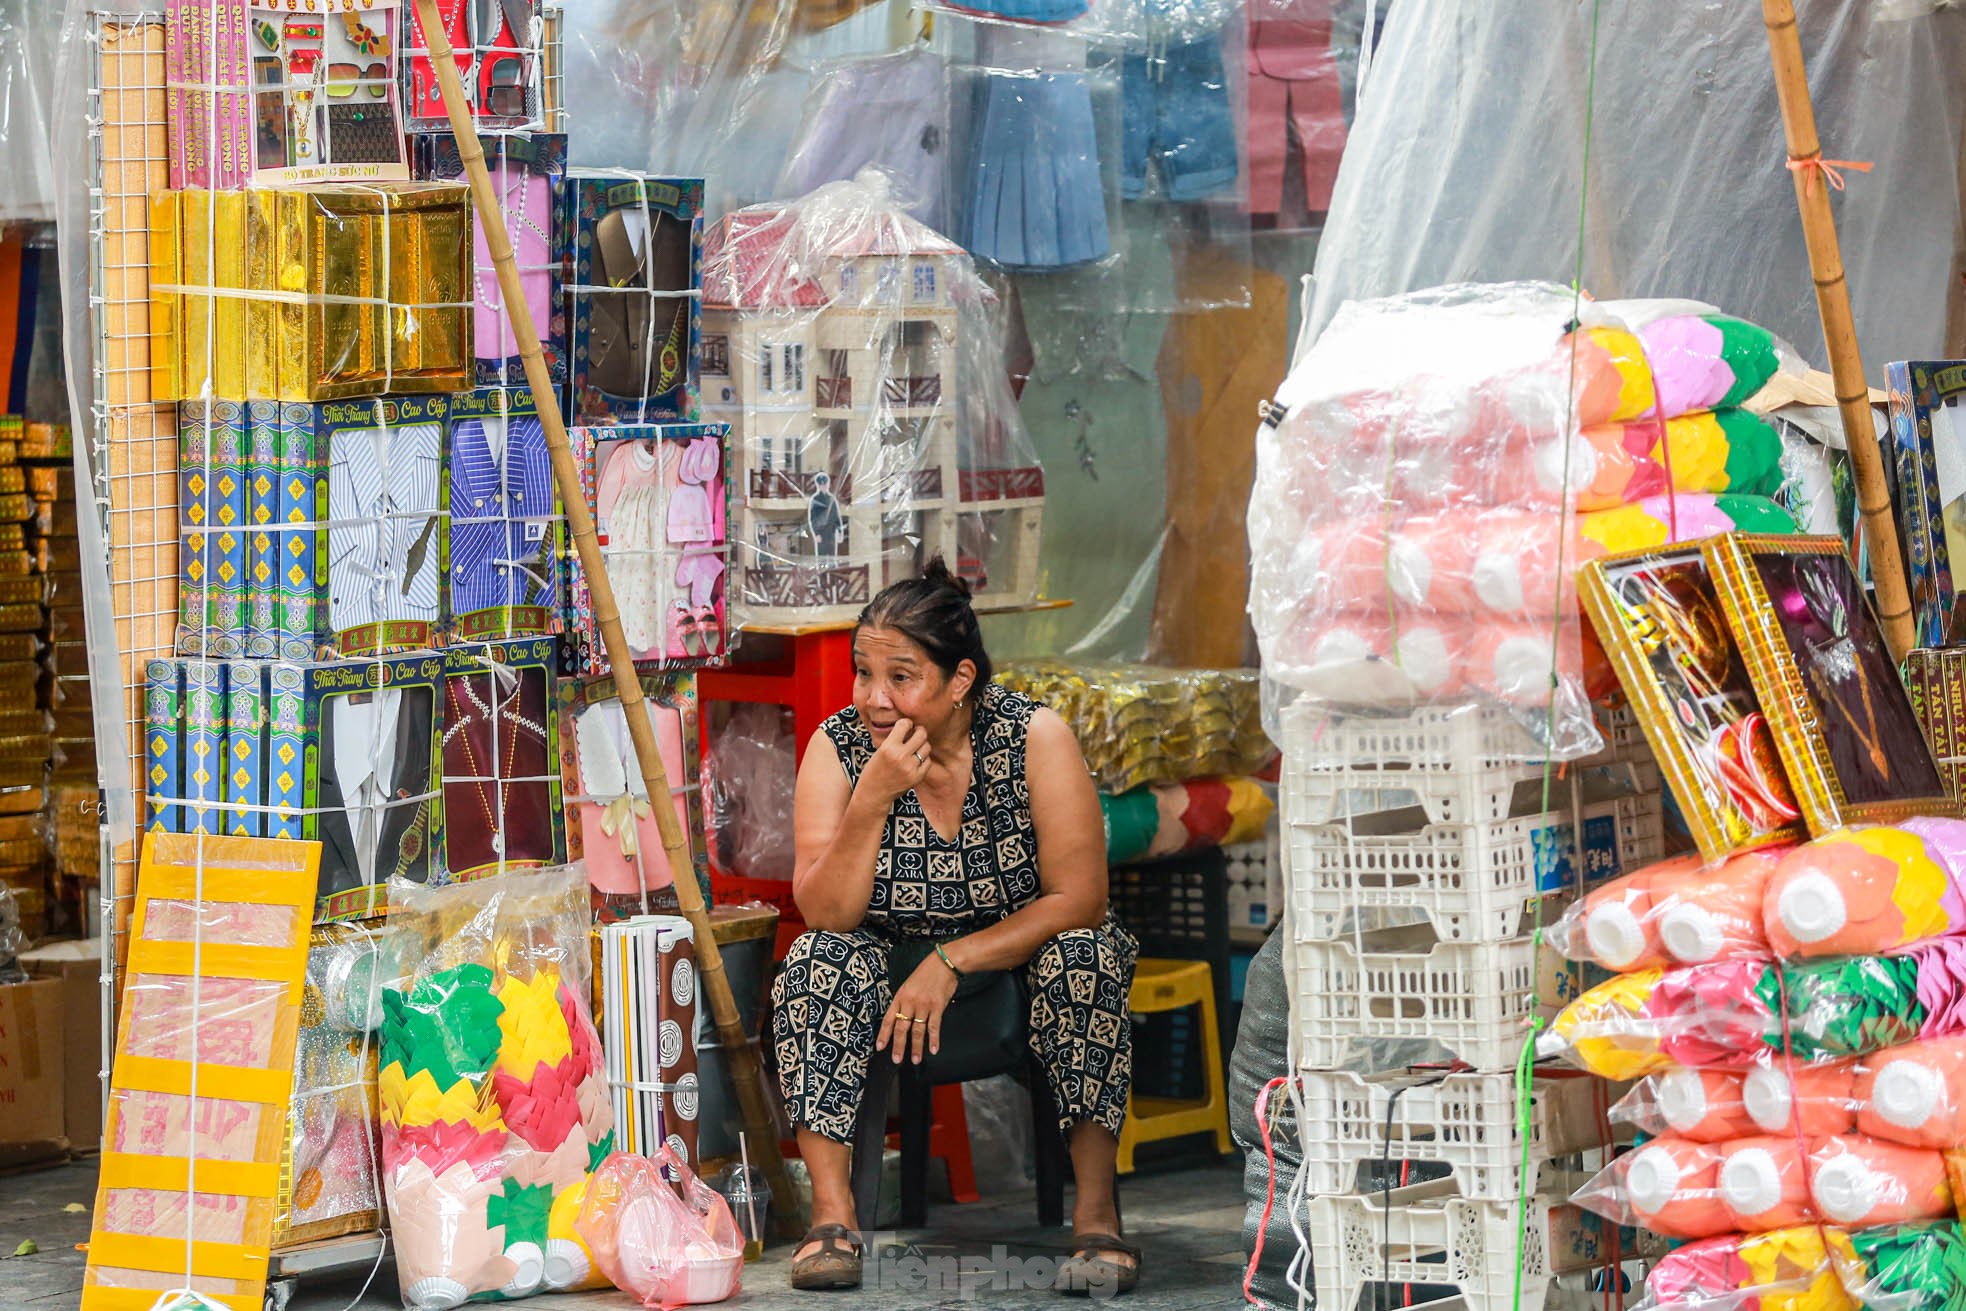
column 1678, row 911
column 1670, row 1186
column 1765, row 1183
column 1783, row 1270
column 1915, row 1094
column 1864, row 891
column 1817, row 1101
column 1714, row 1106
column 1859, row 1181
column 1684, row 1189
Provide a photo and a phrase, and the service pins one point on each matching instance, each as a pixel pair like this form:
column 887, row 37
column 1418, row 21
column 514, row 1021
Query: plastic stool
column 1166, row 985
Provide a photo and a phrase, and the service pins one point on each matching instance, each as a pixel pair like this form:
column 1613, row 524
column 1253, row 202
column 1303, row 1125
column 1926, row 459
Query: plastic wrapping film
column 330, row 1173
column 1904, row 1267
column 1855, row 891
column 27, row 65
column 1913, row 1094
column 1140, row 725
column 196, row 1129
column 662, row 1235
column 1688, row 117
column 611, row 825
column 1414, row 527
column 752, row 777
column 493, row 1089
column 853, row 353
column 1685, row 1189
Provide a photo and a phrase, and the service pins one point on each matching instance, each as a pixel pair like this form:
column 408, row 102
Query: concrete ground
column 1187, row 1216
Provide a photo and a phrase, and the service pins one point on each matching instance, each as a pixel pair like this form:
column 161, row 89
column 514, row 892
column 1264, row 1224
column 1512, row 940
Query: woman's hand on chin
column 900, row 763
column 913, row 1024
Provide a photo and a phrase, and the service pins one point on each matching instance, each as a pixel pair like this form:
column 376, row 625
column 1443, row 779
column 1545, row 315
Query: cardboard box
column 32, row 1127
column 77, row 966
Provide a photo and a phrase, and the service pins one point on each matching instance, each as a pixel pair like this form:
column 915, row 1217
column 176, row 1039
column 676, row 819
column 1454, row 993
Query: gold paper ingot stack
column 322, row 293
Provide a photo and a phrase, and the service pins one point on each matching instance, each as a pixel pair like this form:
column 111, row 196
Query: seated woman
column 943, row 809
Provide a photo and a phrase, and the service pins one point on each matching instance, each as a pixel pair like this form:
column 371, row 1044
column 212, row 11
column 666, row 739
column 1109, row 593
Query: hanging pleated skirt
column 1032, row 196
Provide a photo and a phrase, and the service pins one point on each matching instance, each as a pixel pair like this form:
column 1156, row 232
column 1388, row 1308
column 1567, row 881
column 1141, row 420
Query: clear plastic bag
column 1143, row 724
column 751, row 775
column 1913, row 1094
column 1855, row 891
column 856, row 356
column 493, row 1088
column 661, row 1246
column 1414, row 529
column 1734, row 1014
column 1685, row 1189
column 1906, row 1267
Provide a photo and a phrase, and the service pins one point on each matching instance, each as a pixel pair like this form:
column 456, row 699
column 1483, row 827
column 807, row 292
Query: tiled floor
column 1188, row 1219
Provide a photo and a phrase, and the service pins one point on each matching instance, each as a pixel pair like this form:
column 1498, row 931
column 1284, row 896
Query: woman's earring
column 959, row 703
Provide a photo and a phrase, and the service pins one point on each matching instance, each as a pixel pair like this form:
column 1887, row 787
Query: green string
column 1526, row 1062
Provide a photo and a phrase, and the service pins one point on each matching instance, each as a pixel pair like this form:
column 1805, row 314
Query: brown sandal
column 1086, row 1273
column 835, row 1265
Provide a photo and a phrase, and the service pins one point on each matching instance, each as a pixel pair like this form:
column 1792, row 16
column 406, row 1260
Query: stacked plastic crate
column 1418, row 852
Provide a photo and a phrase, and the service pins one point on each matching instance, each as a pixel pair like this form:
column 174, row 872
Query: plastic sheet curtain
column 27, row 64
column 1687, row 190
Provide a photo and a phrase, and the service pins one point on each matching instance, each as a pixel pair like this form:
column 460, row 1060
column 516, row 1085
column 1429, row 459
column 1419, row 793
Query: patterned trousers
column 828, row 1000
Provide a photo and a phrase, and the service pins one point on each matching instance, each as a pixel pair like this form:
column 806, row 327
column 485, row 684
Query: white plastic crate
column 1462, row 766
column 1255, row 882
column 1471, row 880
column 1465, row 1121
column 1419, row 1235
column 1473, row 999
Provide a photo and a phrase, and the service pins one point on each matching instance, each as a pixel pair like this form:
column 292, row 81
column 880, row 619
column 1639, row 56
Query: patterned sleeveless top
column 927, row 886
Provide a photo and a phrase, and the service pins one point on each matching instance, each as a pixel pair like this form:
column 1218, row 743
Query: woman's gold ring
column 918, row 1020
column 899, row 1016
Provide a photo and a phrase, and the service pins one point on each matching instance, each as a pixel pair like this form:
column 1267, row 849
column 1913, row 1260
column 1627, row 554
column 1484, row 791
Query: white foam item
column 528, row 1269
column 1691, row 934
column 1652, row 1179
column 1811, row 908
column 1498, row 582
column 436, row 1294
column 1769, row 1101
column 1845, row 1188
column 1682, row 1098
column 1907, row 1094
column 1615, row 936
column 566, row 1264
column 1751, row 1182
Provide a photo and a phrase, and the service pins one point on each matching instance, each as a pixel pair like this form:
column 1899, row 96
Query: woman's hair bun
column 939, row 574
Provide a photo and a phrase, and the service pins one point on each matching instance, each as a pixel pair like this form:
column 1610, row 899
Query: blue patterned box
column 507, row 534
column 286, row 750
column 245, row 749
column 204, row 744
column 163, row 740
column 262, row 530
column 634, row 297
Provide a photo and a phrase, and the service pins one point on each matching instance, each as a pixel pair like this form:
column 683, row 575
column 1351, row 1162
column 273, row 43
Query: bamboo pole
column 1839, row 331
column 715, row 984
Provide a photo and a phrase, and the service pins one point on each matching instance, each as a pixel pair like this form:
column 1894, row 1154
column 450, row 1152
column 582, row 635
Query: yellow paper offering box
column 322, row 293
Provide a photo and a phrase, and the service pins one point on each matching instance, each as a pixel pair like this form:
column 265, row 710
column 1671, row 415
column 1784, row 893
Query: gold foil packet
column 322, row 293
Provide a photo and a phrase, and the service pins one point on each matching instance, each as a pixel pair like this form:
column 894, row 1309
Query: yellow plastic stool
column 1168, row 985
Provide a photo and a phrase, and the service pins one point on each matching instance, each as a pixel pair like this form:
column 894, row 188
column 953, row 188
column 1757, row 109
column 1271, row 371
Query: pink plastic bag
column 666, row 1245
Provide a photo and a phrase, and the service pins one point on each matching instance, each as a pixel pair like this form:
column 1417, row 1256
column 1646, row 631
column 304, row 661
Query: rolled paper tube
column 1859, row 1181
column 1716, row 913
column 1764, row 1183
column 1825, row 1095
column 1915, row 1094
column 1672, row 1187
column 1857, row 892
column 1702, row 1105
column 1614, row 925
